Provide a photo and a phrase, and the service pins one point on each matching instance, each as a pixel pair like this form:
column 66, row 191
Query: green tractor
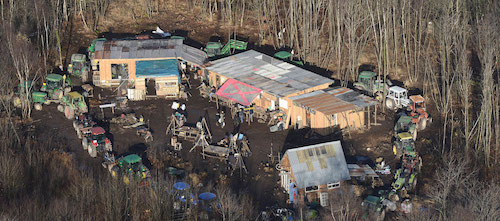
column 214, row 49
column 287, row 56
column 129, row 167
column 405, row 180
column 71, row 104
column 403, row 144
column 405, row 124
column 367, row 81
column 91, row 48
column 36, row 98
column 79, row 67
column 377, row 205
column 56, row 86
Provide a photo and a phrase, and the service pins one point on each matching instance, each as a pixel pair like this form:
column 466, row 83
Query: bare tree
column 231, row 206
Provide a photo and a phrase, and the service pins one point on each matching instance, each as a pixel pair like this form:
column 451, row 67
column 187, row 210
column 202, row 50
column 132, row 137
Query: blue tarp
column 207, row 196
column 181, row 186
column 156, row 68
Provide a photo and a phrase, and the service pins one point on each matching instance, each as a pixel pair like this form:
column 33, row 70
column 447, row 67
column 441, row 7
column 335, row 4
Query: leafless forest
column 450, row 49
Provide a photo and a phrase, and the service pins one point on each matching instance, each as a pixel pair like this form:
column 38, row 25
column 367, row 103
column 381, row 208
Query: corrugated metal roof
column 364, row 170
column 332, row 101
column 149, row 48
column 271, row 75
column 353, row 97
column 318, row 164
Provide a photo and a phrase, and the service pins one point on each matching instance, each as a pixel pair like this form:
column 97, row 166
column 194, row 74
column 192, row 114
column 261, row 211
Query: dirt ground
column 262, row 180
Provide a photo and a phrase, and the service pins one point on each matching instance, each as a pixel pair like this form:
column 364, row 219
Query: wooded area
column 450, row 49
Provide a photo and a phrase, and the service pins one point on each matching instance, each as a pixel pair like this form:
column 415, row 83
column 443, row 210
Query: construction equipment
column 287, row 56
column 97, row 142
column 129, row 167
column 377, row 205
column 418, row 113
column 397, row 98
column 215, row 48
column 71, row 104
column 91, row 48
column 367, row 81
column 79, row 67
column 56, row 86
column 82, row 124
column 405, row 124
column 403, row 143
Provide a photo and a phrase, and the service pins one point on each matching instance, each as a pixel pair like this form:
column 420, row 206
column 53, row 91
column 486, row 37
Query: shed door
column 308, row 119
column 323, row 199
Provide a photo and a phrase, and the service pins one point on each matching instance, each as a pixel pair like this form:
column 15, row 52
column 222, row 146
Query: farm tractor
column 377, row 205
column 91, row 48
column 56, row 86
column 368, row 82
column 82, row 124
column 405, row 180
column 129, row 167
column 287, row 56
column 36, row 98
column 71, row 104
column 418, row 113
column 96, row 142
column 397, row 98
column 405, row 124
column 79, row 67
column 404, row 143
column 214, row 49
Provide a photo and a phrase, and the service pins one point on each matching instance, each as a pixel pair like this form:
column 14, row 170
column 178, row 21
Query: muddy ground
column 262, row 180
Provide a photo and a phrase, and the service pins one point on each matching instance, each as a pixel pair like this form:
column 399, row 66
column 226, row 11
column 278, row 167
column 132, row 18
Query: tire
column 379, row 96
column 69, row 113
column 85, row 143
column 38, row 106
column 422, row 124
column 60, row 108
column 109, row 147
column 85, row 76
column 16, row 101
column 79, row 134
column 114, row 171
column 92, row 151
column 389, row 103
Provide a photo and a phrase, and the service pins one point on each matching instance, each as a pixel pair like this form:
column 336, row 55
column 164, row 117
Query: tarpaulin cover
column 239, row 92
column 181, row 186
column 292, row 193
column 156, row 68
column 207, row 196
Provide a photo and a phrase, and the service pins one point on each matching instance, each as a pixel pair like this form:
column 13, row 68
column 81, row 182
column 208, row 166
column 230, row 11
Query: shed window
column 333, row 185
column 119, row 71
column 312, row 189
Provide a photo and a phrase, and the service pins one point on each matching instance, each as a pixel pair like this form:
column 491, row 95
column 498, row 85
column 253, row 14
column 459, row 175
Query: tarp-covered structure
column 238, row 92
column 157, row 68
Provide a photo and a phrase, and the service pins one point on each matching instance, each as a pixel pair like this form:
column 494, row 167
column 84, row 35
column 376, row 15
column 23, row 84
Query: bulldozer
column 368, row 82
column 418, row 112
column 79, row 67
column 71, row 104
column 214, row 49
column 56, row 86
column 287, row 56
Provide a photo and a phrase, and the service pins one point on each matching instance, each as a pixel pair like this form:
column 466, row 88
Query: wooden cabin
column 312, row 172
column 143, row 67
